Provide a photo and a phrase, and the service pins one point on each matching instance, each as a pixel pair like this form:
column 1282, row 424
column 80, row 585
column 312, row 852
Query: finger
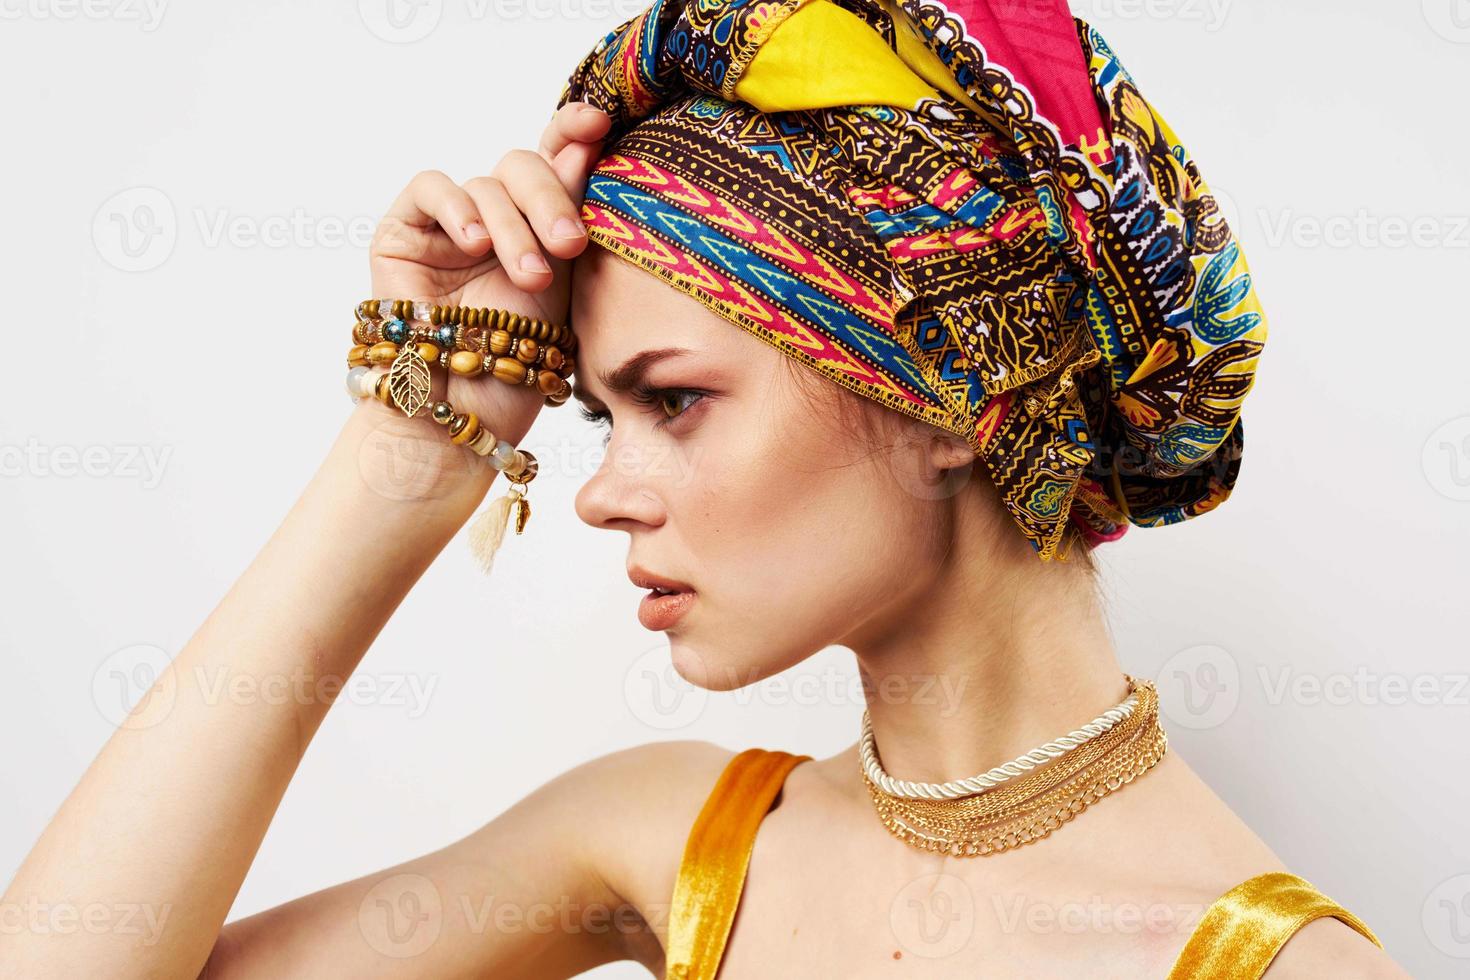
column 575, row 122
column 430, row 199
column 573, row 166
column 540, row 195
column 514, row 241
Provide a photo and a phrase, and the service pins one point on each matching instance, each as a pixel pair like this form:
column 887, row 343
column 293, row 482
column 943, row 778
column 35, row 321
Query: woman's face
column 788, row 530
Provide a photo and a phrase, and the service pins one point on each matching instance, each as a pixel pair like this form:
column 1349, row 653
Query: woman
column 976, row 441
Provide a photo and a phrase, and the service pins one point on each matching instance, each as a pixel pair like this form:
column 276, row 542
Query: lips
column 667, row 600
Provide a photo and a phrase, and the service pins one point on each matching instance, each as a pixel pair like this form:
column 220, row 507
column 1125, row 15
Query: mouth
column 666, row 601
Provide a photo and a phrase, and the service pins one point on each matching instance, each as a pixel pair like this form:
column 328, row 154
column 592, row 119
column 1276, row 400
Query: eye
column 671, row 403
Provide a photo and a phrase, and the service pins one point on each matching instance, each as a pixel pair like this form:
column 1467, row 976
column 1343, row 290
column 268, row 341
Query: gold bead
column 466, row 362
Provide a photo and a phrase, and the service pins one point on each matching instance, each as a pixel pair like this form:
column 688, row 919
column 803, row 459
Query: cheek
column 796, row 535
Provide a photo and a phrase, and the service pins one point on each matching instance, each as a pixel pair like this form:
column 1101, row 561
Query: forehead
column 619, row 310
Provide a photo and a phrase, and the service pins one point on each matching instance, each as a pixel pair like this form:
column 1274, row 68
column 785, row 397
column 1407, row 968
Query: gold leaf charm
column 523, row 514
column 409, row 380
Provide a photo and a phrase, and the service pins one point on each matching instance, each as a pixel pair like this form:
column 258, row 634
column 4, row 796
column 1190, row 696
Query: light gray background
column 187, row 193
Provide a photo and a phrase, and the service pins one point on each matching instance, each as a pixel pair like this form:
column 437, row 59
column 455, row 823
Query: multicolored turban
column 967, row 213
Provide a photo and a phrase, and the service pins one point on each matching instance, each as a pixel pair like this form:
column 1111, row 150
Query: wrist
column 411, row 461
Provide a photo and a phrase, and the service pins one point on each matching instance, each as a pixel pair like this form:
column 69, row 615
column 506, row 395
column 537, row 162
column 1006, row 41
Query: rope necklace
column 980, row 815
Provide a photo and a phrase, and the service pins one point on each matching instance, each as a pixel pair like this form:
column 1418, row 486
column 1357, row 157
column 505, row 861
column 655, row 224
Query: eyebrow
column 627, row 376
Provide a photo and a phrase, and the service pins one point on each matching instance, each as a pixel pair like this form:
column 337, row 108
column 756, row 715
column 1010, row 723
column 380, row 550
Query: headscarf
column 967, row 213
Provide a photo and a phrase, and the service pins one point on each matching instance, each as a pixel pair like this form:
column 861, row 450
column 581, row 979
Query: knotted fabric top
column 967, row 213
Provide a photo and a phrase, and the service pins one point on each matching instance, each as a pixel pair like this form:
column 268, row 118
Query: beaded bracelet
column 518, row 465
column 473, row 318
column 478, row 344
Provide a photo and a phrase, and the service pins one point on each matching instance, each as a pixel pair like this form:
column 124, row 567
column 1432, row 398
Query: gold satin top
column 1235, row 939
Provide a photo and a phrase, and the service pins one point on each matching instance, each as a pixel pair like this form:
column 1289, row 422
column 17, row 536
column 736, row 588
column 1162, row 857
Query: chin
column 727, row 668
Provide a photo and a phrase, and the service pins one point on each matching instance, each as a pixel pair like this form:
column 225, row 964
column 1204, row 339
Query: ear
column 948, row 451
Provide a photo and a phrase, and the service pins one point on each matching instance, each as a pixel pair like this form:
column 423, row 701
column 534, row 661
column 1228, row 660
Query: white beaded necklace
column 978, row 784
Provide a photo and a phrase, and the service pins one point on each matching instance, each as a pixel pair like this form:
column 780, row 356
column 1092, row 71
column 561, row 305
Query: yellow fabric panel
column 822, row 56
column 1241, row 933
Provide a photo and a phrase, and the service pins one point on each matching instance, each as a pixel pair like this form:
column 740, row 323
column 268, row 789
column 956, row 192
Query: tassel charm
column 488, row 530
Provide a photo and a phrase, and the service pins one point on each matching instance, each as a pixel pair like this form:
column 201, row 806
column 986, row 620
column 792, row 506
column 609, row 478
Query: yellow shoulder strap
column 716, row 856
column 1244, row 929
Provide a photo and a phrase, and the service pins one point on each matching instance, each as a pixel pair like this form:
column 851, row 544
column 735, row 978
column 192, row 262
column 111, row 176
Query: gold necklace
column 1014, row 814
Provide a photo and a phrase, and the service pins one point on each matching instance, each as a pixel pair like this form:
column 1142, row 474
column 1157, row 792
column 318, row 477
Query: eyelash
column 648, row 398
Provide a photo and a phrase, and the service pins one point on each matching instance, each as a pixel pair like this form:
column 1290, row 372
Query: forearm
column 171, row 813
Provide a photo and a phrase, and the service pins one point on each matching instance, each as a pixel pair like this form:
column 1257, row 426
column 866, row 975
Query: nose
column 620, row 495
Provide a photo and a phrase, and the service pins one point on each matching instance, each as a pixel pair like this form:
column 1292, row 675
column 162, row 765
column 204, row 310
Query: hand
column 505, row 240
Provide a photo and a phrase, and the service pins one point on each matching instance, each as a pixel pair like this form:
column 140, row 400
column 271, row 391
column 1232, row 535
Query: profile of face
column 798, row 513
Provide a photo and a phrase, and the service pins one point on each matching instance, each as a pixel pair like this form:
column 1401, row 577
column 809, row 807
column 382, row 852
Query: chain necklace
column 1000, row 816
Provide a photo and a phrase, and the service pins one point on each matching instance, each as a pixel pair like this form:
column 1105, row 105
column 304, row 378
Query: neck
column 957, row 685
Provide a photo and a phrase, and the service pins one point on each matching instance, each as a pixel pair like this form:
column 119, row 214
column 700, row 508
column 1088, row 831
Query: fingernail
column 533, row 262
column 474, row 230
column 567, row 228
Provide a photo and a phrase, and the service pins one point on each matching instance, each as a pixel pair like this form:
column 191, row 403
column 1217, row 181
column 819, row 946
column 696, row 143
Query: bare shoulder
column 642, row 802
column 1329, row 947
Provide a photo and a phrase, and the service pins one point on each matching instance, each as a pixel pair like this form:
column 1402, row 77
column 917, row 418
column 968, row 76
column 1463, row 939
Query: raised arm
column 172, row 811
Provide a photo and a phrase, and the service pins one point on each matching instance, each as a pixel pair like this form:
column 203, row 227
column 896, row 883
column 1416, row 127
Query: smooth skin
column 725, row 467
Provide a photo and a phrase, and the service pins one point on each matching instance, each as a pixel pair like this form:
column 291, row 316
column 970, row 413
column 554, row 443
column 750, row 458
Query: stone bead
column 355, row 379
column 503, row 455
column 510, row 370
column 444, row 335
column 395, row 330
column 466, row 362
